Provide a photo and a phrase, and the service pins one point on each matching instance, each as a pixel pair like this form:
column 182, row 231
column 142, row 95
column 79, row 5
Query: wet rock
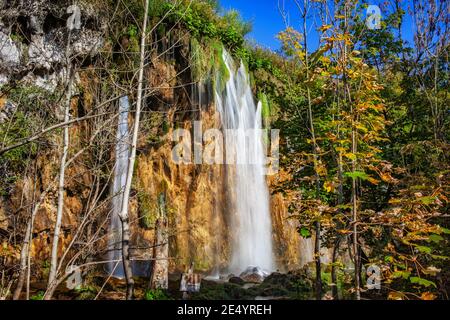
column 278, row 286
column 226, row 277
column 254, row 275
column 221, row 291
column 291, row 284
column 236, row 280
column 253, row 278
column 249, row 285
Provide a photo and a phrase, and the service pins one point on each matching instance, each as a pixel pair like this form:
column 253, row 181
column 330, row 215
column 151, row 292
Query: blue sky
column 267, row 20
column 264, row 15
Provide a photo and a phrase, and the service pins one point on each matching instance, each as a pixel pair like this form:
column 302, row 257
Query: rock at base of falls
column 291, row 285
column 236, row 280
column 253, row 275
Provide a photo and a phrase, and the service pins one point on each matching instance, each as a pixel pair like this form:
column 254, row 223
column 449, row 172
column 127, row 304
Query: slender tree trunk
column 354, row 162
column 124, row 217
column 23, row 261
column 436, row 122
column 334, row 268
column 318, row 263
column 25, row 252
column 317, row 223
column 338, row 238
column 160, row 275
column 355, row 221
column 318, row 283
column 54, row 253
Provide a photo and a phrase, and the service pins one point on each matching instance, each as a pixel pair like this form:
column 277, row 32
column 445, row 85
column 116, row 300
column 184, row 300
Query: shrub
column 156, row 294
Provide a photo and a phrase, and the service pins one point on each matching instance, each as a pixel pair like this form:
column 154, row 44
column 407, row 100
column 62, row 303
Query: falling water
column 115, row 266
column 241, row 121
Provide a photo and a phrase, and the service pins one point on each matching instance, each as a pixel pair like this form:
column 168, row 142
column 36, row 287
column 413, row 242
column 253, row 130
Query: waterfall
column 241, row 119
column 120, row 177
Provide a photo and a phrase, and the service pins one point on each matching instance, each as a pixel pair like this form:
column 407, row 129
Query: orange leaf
column 427, row 296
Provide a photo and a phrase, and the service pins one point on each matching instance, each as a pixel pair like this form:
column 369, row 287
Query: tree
column 125, row 203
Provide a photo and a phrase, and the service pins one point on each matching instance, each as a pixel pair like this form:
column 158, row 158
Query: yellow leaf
column 328, row 186
column 386, row 177
column 321, row 170
column 395, row 296
column 373, row 180
column 325, row 27
column 350, row 155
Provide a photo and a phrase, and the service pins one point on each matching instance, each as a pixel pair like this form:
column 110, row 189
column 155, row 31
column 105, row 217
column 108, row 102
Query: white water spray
column 115, row 265
column 242, row 121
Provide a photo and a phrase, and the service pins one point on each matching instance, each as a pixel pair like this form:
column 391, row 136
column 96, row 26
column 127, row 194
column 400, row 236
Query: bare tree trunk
column 318, row 263
column 23, row 261
column 160, row 270
column 353, row 165
column 59, row 212
column 24, row 253
column 337, row 242
column 355, row 221
column 334, row 268
column 318, row 284
column 126, row 197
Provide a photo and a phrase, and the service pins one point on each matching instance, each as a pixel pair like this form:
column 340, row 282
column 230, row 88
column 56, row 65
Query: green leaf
column 403, row 274
column 424, row 249
column 38, row 296
column 357, row 174
column 435, row 256
column 445, row 230
column 435, row 238
column 427, row 200
column 422, row 282
column 344, row 206
column 305, row 233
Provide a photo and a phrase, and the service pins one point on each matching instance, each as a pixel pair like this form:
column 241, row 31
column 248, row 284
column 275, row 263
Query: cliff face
column 197, row 196
column 34, row 37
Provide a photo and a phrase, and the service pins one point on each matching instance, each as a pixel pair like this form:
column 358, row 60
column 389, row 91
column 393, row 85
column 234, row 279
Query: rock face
column 34, row 40
column 291, row 249
column 9, row 53
column 196, row 212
